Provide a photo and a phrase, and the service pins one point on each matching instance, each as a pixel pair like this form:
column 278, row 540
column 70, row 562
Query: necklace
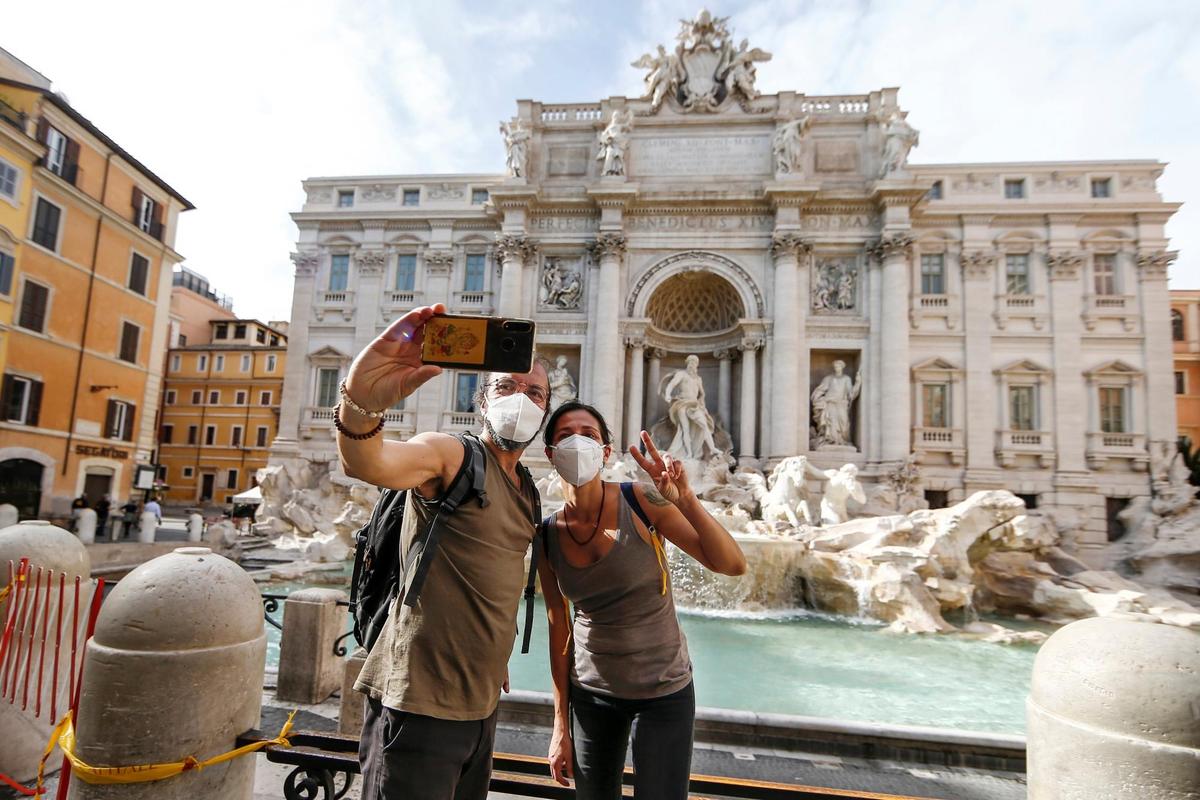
column 595, row 528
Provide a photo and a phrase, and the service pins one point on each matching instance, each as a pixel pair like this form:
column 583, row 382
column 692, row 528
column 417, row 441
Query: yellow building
column 1185, row 335
column 220, row 410
column 90, row 306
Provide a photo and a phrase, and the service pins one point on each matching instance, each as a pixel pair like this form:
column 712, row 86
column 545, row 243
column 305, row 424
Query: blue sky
column 235, row 103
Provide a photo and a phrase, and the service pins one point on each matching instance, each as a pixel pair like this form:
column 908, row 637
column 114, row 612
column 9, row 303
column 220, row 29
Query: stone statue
column 836, row 286
column 831, row 406
column 739, row 69
column 562, row 385
column 786, row 146
column 843, row 486
column 694, row 426
column 787, row 497
column 614, row 142
column 899, row 139
column 561, row 285
column 516, row 145
column 664, row 76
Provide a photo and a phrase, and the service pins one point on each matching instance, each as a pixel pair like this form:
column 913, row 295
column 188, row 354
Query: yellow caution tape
column 5, row 592
column 63, row 735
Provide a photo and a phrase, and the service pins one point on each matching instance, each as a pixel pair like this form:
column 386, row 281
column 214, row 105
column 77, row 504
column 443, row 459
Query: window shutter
column 158, row 216
column 43, row 130
column 127, row 433
column 33, row 307
column 71, row 161
column 110, row 420
column 35, row 402
column 6, row 393
column 137, row 203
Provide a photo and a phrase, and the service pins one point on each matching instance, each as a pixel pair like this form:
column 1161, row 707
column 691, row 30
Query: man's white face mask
column 578, row 459
column 515, row 417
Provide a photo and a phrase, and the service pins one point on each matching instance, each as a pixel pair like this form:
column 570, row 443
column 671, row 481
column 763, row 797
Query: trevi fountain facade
column 912, row 390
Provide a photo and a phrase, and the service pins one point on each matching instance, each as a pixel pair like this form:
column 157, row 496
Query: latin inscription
column 659, row 223
column 669, row 156
column 564, row 224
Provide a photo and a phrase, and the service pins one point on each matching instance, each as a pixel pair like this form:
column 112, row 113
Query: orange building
column 1185, row 334
column 91, row 299
column 220, row 410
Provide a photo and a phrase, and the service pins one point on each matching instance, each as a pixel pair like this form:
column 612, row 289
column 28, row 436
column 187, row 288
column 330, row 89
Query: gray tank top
column 628, row 643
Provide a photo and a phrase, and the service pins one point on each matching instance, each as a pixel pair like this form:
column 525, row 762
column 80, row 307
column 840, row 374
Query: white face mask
column 515, row 417
column 578, row 459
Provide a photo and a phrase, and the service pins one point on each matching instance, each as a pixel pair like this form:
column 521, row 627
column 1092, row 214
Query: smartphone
column 488, row 344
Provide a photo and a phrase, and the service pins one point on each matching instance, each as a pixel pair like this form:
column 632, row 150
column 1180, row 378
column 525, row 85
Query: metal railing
column 271, row 605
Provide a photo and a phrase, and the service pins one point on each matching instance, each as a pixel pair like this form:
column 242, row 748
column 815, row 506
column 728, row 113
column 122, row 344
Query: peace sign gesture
column 667, row 473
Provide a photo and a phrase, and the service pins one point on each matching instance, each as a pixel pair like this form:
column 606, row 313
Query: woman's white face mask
column 515, row 417
column 578, row 459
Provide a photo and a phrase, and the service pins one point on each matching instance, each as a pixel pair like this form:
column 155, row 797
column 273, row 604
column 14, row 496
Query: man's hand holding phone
column 390, row 369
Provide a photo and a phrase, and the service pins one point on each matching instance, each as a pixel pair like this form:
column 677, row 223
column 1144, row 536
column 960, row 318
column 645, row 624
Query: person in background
column 129, row 515
column 103, row 506
column 152, row 505
column 77, row 505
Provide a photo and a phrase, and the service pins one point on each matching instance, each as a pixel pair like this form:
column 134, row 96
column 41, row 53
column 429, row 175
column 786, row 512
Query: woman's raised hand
column 389, row 368
column 668, row 474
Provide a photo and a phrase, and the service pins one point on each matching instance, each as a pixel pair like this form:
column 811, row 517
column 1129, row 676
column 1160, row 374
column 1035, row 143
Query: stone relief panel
column 378, row 193
column 1058, row 182
column 320, row 195
column 564, row 161
column 446, row 191
column 561, row 286
column 974, row 184
column 835, row 157
column 835, row 285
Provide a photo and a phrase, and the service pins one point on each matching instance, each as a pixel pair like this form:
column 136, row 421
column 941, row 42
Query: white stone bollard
column 174, row 670
column 1112, row 712
column 148, row 526
column 309, row 671
column 23, row 735
column 195, row 525
column 85, row 526
column 8, row 515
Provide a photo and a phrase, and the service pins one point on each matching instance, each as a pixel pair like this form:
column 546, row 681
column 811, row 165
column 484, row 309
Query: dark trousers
column 412, row 757
column 662, row 744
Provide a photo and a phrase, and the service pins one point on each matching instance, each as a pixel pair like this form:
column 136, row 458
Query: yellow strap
column 660, row 554
column 5, row 592
column 63, row 735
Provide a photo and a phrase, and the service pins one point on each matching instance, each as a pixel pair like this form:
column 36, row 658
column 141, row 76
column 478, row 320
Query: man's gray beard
column 507, row 445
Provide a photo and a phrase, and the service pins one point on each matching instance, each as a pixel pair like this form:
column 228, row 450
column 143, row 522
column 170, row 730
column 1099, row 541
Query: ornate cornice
column 785, row 243
column 306, row 264
column 610, row 245
column 1155, row 264
column 891, row 244
column 1064, row 265
column 438, row 262
column 370, row 262
column 979, row 264
column 513, row 246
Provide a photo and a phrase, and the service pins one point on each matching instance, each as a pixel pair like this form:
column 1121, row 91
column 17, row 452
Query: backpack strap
column 535, row 504
column 655, row 538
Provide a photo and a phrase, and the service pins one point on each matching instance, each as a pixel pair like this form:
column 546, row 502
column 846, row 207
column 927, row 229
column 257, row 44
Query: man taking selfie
column 433, row 677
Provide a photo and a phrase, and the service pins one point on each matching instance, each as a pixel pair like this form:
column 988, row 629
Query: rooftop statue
column 516, row 146
column 614, row 142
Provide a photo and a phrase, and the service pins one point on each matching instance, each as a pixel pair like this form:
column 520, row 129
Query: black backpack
column 378, row 571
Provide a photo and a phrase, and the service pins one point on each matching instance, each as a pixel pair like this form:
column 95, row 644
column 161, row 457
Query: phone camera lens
column 508, row 344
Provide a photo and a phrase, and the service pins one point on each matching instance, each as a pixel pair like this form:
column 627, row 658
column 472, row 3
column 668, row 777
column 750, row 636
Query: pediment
column 1114, row 367
column 1023, row 365
column 936, row 364
column 328, row 353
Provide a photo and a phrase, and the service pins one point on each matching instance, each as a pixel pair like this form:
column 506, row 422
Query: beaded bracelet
column 349, row 434
column 355, row 407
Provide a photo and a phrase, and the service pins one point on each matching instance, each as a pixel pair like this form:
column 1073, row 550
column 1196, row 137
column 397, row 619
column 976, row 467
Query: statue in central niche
column 694, row 426
column 831, row 403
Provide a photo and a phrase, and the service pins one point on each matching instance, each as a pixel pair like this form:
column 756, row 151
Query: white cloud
column 235, row 103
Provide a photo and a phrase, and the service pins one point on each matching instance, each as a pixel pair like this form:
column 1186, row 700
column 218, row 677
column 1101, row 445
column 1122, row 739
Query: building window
column 214, row 397
column 202, row 363
column 245, row 362
column 219, row 363
column 1030, row 500
column 1014, row 188
column 1180, row 382
column 176, row 363
column 45, row 224
column 270, row 363
column 168, row 432
column 1104, row 273
column 118, row 423
column 412, row 197
column 339, row 272
column 130, row 334
column 239, row 398
column 937, row 498
column 235, row 436
column 139, row 269
column 147, row 211
column 261, row 441
column 188, row 471
column 327, row 386
column 182, row 340
column 35, row 300
column 933, row 273
column 196, row 397
column 56, row 151
column 1177, row 332
column 170, row 397
column 260, row 336
column 264, row 398
column 221, row 331
column 231, row 480
column 935, row 191
column 8, row 180
column 475, row 272
column 22, row 400
column 479, row 196
column 935, row 405
column 193, row 431
column 346, row 199
column 406, row 272
column 210, row 434
column 1016, row 270
column 1112, row 409
column 8, row 265
column 1021, row 408
column 239, row 331
column 464, row 391
column 1101, row 187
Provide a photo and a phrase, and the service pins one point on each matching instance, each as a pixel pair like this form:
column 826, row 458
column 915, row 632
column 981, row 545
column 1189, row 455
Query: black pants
column 411, row 757
column 662, row 744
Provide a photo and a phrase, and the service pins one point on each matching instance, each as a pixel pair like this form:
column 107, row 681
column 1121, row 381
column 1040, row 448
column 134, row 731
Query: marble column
column 749, row 402
column 653, row 379
column 724, row 387
column 368, row 296
column 633, row 408
column 608, row 250
column 789, row 360
column 513, row 252
column 1070, row 399
column 895, row 417
column 295, row 376
column 979, row 423
column 1160, row 375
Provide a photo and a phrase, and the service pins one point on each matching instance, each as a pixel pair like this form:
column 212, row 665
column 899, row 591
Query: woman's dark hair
column 575, row 405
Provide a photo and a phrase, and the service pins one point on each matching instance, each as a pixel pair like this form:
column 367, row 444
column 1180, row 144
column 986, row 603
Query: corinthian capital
column 1064, row 265
column 979, row 264
column 608, row 245
column 438, row 261
column 370, row 262
column 785, row 243
column 1155, row 264
column 892, row 244
column 306, row 264
column 513, row 246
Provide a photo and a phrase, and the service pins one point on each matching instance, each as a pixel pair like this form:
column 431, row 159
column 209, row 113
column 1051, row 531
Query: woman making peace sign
column 630, row 668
